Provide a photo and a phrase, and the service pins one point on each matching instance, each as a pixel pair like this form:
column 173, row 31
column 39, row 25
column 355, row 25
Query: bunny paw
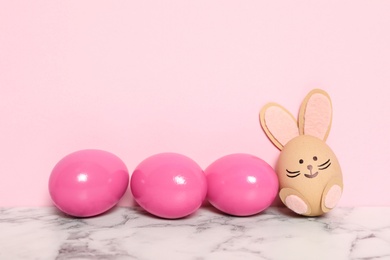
column 333, row 196
column 296, row 204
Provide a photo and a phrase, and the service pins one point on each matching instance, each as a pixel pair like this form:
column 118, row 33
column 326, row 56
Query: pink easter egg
column 88, row 182
column 169, row 185
column 241, row 184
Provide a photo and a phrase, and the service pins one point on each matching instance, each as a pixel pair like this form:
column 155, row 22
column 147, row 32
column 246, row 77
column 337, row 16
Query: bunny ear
column 278, row 124
column 315, row 114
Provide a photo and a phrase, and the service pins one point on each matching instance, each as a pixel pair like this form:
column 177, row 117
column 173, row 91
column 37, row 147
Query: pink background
column 141, row 77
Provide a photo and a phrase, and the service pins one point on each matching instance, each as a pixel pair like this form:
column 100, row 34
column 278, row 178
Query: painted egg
column 307, row 165
column 169, row 185
column 88, row 182
column 241, row 184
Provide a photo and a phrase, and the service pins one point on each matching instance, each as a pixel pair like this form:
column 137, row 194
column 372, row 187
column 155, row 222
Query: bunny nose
column 310, row 167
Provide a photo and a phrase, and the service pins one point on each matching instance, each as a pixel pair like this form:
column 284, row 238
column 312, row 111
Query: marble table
column 130, row 233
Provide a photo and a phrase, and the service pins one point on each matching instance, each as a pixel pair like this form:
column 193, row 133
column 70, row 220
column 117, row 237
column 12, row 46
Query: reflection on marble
column 130, row 233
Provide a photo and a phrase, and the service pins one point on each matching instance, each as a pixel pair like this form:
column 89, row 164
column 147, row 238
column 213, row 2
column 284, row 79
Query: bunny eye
column 300, row 161
column 315, row 158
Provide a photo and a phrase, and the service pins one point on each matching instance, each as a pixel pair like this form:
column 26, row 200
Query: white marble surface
column 130, row 233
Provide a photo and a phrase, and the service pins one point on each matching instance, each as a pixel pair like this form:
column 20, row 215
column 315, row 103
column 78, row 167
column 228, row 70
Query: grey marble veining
column 130, row 233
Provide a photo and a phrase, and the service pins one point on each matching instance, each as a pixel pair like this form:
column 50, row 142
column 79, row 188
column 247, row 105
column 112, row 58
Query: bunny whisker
column 291, row 174
column 326, row 167
column 325, row 163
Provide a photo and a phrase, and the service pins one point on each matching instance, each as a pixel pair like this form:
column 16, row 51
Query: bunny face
column 309, row 173
column 307, row 164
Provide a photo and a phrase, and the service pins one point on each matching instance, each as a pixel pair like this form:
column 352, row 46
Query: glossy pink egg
column 241, row 184
column 169, row 185
column 88, row 182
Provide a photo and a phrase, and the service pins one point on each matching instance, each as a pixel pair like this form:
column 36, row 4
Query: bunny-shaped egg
column 309, row 173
